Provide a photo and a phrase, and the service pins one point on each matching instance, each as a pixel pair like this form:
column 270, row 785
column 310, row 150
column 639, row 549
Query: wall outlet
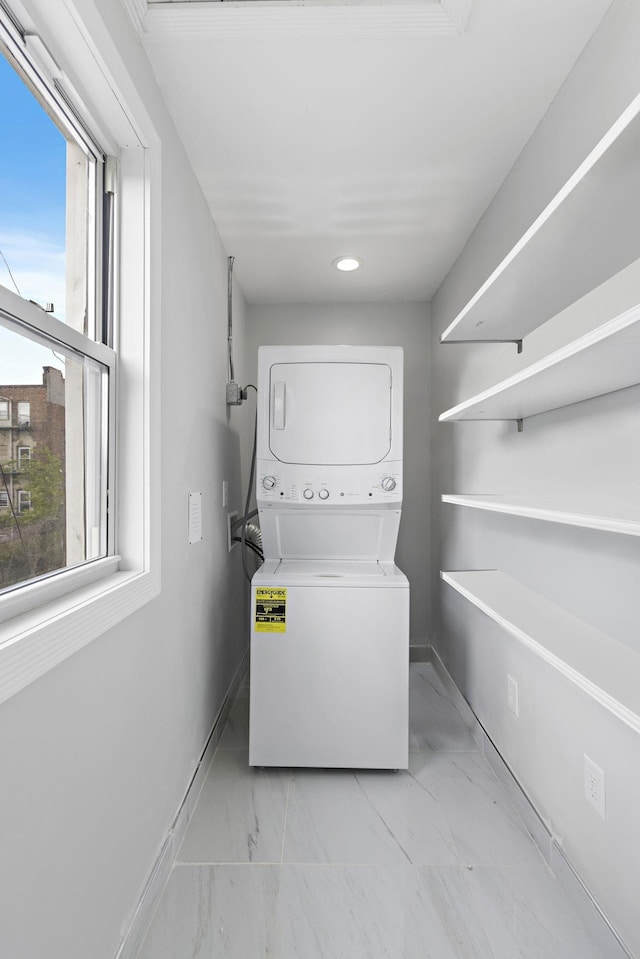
column 235, row 394
column 512, row 695
column 594, row 784
column 230, row 518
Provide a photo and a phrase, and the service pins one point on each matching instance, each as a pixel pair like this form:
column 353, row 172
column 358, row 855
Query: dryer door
column 330, row 413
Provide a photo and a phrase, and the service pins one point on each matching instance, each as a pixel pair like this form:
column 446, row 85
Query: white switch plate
column 225, row 493
column 195, row 517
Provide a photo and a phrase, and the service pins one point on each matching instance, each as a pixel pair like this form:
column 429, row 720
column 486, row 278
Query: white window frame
column 21, row 455
column 44, row 622
column 4, row 499
column 23, row 418
column 24, row 497
column 5, row 406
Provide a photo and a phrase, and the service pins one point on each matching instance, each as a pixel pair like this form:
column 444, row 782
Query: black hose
column 248, row 500
column 250, row 545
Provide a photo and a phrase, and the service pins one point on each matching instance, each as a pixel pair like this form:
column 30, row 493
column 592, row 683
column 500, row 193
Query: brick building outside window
column 32, row 478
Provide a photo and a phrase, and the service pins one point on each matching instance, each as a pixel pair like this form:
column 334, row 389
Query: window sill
column 33, row 642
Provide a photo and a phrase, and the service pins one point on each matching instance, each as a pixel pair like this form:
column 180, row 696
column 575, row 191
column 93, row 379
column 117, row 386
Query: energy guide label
column 271, row 610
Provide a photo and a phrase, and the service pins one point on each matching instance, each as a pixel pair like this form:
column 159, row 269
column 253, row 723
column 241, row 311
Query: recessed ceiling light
column 347, row 263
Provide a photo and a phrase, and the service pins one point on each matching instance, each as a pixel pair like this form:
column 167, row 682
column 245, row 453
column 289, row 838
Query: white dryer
column 329, row 608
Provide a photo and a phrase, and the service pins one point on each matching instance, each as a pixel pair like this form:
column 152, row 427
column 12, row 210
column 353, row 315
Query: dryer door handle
column 278, row 405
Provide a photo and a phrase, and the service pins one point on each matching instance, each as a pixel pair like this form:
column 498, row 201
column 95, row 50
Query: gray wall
column 589, row 449
column 97, row 754
column 392, row 324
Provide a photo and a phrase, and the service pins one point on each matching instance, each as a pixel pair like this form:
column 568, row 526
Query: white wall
column 389, row 324
column 96, row 755
column 589, row 449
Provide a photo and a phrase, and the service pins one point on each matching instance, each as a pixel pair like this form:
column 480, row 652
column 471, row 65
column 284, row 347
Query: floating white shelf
column 602, row 361
column 618, row 518
column 586, row 234
column 602, row 667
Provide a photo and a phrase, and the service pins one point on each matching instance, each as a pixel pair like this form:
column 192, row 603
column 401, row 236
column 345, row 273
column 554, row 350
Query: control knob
column 388, row 484
column 268, row 482
column 308, row 493
column 324, row 494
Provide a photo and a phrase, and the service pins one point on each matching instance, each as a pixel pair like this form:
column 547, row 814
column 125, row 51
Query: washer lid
column 327, row 573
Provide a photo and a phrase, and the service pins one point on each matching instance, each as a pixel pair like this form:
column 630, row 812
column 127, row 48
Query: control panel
column 334, row 486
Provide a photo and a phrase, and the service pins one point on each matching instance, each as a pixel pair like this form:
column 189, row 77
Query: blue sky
column 32, row 160
column 32, row 192
column 32, row 213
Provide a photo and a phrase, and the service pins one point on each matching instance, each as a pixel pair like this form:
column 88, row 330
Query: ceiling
column 375, row 129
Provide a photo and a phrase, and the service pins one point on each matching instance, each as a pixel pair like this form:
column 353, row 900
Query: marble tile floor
column 433, row 863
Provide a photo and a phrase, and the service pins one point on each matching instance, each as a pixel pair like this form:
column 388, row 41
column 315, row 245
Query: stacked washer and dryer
column 329, row 607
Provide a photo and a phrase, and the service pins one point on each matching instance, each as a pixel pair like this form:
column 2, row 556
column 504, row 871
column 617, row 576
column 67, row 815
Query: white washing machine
column 329, row 608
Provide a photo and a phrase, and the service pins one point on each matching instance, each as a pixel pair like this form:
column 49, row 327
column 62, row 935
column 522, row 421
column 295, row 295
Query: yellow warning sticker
column 271, row 610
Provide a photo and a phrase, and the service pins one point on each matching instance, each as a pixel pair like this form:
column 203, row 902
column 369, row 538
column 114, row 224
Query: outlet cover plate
column 594, row 786
column 512, row 696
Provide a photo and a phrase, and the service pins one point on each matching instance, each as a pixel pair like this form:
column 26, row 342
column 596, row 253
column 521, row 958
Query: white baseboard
column 600, row 929
column 158, row 875
column 595, row 921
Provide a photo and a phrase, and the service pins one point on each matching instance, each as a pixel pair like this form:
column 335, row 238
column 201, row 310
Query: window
column 4, row 410
column 48, row 618
column 4, row 499
column 54, row 363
